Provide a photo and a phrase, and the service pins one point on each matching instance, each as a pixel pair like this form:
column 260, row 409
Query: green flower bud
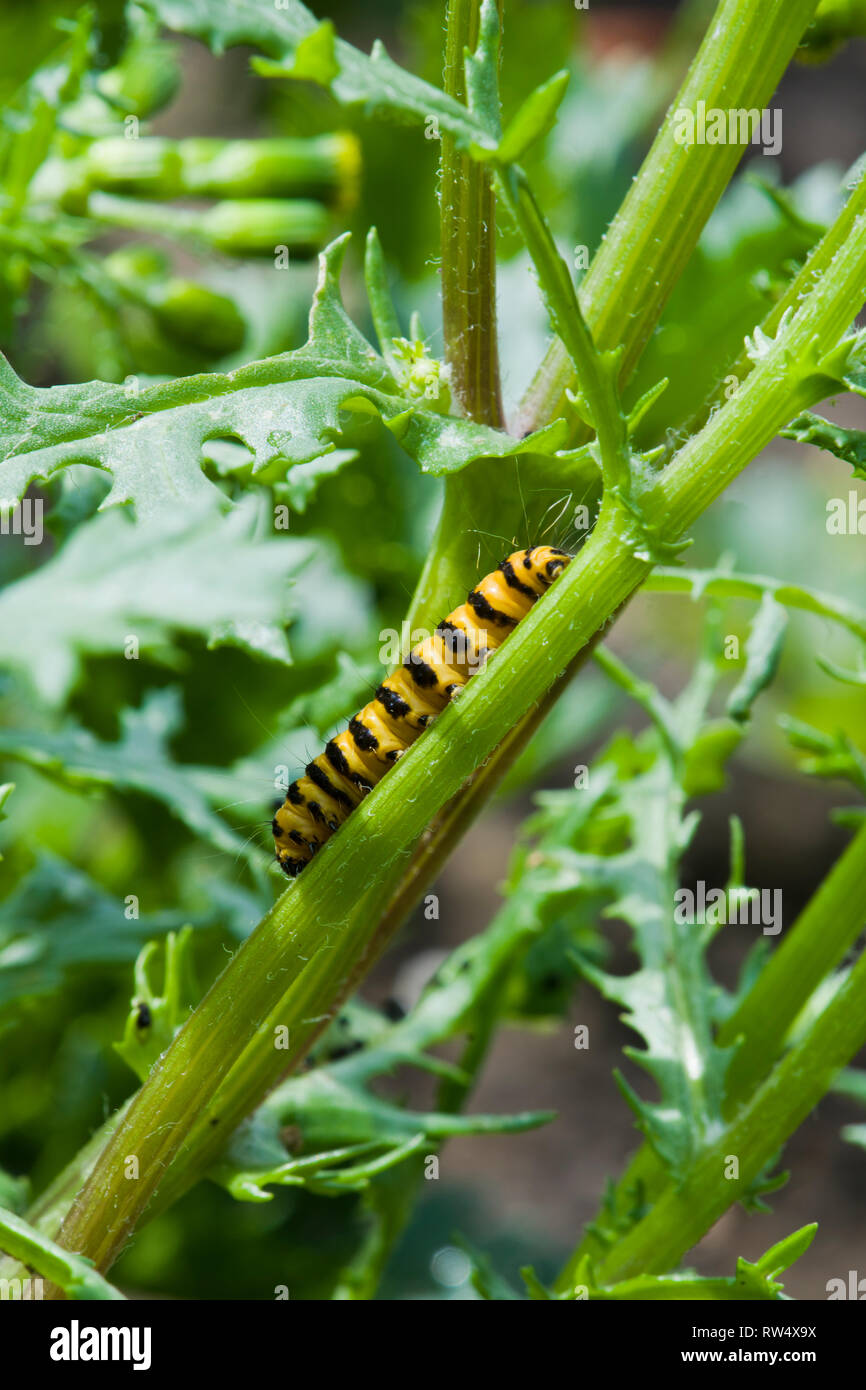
column 186, row 311
column 325, row 167
column 422, row 377
column 257, row 226
column 148, row 166
column 199, row 316
column 145, row 79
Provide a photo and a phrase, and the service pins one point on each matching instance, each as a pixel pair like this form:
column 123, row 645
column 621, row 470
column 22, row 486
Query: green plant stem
column 595, row 377
column 257, row 988
column 685, row 1211
column 825, row 930
column 809, row 274
column 816, row 943
column 293, row 965
column 747, row 46
column 467, row 217
column 638, row 262
column 705, row 583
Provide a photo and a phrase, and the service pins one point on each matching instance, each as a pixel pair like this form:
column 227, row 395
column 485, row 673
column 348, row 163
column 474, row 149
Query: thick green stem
column 744, row 54
column 813, row 268
column 747, row 47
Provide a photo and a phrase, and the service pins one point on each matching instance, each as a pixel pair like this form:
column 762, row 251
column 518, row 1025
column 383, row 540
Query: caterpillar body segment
column 407, row 701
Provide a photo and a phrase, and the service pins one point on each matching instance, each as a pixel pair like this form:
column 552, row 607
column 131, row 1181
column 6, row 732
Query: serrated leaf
column 671, row 999
column 75, row 1274
column 288, row 409
column 155, row 1016
column 848, row 445
column 139, row 761
column 763, row 653
column 534, row 120
column 191, row 569
column 57, row 919
column 296, row 47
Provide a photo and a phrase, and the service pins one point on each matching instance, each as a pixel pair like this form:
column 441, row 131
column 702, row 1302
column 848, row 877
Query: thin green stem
column 710, row 584
column 467, row 213
column 807, row 277
column 686, row 1211
column 825, row 930
column 596, row 378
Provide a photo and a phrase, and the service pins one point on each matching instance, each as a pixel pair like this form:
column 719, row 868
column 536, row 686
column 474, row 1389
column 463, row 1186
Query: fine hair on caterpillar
column 407, row 701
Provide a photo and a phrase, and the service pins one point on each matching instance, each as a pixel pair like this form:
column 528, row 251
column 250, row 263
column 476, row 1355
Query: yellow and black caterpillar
column 406, row 702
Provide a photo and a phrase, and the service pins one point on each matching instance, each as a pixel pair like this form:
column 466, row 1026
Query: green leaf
column 58, row 919
column 848, row 445
column 349, row 1133
column 116, row 583
column 298, row 46
column 288, row 409
column 482, row 73
column 763, row 654
column 140, row 761
column 316, row 57
column 154, row 1018
column 630, row 852
column 706, row 761
column 74, row 1274
column 534, row 120
column 833, row 755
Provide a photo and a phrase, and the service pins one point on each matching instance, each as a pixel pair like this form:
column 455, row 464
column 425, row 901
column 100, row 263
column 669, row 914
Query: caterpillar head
column 549, row 562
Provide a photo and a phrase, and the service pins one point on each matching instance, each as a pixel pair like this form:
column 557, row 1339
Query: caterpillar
column 405, row 703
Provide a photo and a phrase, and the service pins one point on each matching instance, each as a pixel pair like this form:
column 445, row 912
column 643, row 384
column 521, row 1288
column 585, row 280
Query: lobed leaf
column 297, row 46
column 288, row 409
